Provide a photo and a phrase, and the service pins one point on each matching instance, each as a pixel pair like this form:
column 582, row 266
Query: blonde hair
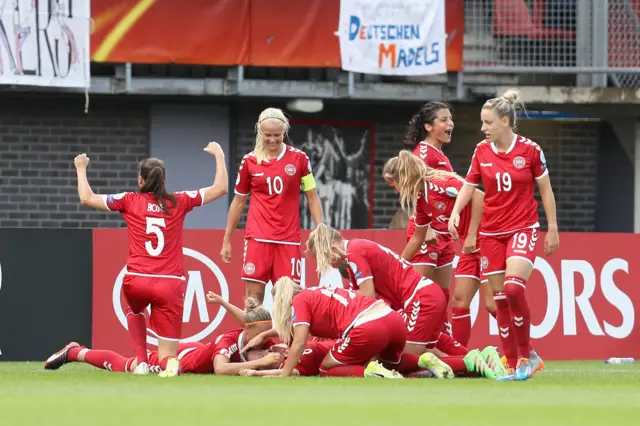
column 507, row 105
column 321, row 245
column 409, row 173
column 255, row 311
column 268, row 114
column 285, row 290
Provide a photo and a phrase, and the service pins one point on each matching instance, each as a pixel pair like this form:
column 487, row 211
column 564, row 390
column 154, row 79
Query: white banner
column 393, row 37
column 45, row 42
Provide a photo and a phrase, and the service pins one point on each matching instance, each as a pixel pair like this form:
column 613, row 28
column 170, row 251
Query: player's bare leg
column 466, row 288
column 517, row 273
column 426, row 271
column 255, row 289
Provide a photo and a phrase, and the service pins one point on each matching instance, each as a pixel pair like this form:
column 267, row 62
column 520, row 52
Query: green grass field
column 566, row 393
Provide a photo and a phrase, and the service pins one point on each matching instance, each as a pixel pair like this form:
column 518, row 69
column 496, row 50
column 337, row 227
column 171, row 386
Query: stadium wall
column 40, row 134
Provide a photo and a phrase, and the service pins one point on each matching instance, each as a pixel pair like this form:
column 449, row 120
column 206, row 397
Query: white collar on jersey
column 428, row 144
column 513, row 144
column 282, row 152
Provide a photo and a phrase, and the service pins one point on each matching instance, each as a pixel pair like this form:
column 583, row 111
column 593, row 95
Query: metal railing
column 597, row 41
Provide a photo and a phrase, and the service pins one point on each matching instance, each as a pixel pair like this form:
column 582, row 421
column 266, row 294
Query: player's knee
column 461, row 301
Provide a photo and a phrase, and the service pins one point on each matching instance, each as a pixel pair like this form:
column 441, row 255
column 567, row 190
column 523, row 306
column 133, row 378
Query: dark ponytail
column 153, row 174
column 416, row 132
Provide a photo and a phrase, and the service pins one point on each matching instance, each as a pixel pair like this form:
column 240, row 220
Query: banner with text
column 393, row 37
column 583, row 298
column 45, row 43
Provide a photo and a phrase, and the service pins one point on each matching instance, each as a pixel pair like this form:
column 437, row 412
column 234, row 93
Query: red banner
column 583, row 298
column 277, row 33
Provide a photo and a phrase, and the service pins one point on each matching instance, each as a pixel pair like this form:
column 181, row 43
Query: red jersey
column 155, row 237
column 312, row 357
column 274, row 209
column 329, row 312
column 508, row 180
column 437, row 201
column 435, row 159
column 394, row 279
column 432, row 156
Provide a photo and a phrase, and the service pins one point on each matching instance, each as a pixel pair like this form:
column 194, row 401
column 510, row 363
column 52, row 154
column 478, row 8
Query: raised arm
column 87, row 196
column 220, row 185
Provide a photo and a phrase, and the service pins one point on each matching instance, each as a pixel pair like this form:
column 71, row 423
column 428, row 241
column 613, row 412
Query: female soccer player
column 508, row 164
column 427, row 193
column 273, row 173
column 155, row 268
column 429, row 130
column 365, row 328
column 221, row 356
column 377, row 272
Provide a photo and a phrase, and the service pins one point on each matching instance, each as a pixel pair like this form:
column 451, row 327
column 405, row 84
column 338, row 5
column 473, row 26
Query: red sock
column 137, row 324
column 461, row 325
column 449, row 346
column 456, row 363
column 106, row 360
column 515, row 290
column 344, row 371
column 507, row 338
column 447, row 323
column 408, row 364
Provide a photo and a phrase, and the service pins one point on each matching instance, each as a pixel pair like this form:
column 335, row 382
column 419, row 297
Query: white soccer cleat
column 141, row 369
column 377, row 370
column 438, row 368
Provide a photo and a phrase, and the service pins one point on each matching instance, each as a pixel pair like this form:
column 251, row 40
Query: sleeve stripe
column 301, row 323
column 466, row 182
column 546, row 172
column 240, row 193
column 201, row 191
column 104, row 199
column 361, row 280
column 421, row 226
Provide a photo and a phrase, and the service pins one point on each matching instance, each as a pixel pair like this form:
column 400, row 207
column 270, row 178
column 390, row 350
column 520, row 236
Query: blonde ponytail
column 276, row 114
column 507, row 105
column 321, row 244
column 285, row 290
column 255, row 311
column 409, row 172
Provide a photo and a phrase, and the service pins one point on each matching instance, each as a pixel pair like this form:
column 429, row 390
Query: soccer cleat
column 491, row 357
column 537, row 364
column 438, row 368
column 523, row 369
column 476, row 364
column 60, row 358
column 507, row 378
column 172, row 369
column 377, row 370
column 142, row 369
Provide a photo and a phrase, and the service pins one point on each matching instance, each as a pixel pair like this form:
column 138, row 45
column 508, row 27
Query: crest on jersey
column 519, row 162
column 484, row 263
column 433, row 255
column 290, row 169
column 249, row 268
column 440, row 206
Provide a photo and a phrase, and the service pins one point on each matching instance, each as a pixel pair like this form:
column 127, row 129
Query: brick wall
column 40, row 136
column 39, row 139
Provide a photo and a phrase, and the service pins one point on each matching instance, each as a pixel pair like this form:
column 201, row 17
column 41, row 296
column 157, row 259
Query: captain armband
column 308, row 182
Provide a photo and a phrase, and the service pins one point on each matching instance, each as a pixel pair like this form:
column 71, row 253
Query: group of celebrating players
column 392, row 320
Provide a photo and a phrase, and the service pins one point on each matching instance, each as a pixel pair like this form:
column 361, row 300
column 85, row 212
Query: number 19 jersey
column 274, row 209
column 155, row 237
column 509, row 184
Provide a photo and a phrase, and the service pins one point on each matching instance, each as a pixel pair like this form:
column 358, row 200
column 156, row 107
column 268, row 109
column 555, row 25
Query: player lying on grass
column 365, row 328
column 376, row 271
column 221, row 356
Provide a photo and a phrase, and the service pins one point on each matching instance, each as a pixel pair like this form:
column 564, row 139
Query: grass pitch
column 566, row 393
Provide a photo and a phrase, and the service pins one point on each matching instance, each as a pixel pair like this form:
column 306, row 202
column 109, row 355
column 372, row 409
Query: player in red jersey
column 377, row 272
column 509, row 167
column 429, row 130
column 273, row 173
column 429, row 193
column 155, row 269
column 221, row 356
column 308, row 365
